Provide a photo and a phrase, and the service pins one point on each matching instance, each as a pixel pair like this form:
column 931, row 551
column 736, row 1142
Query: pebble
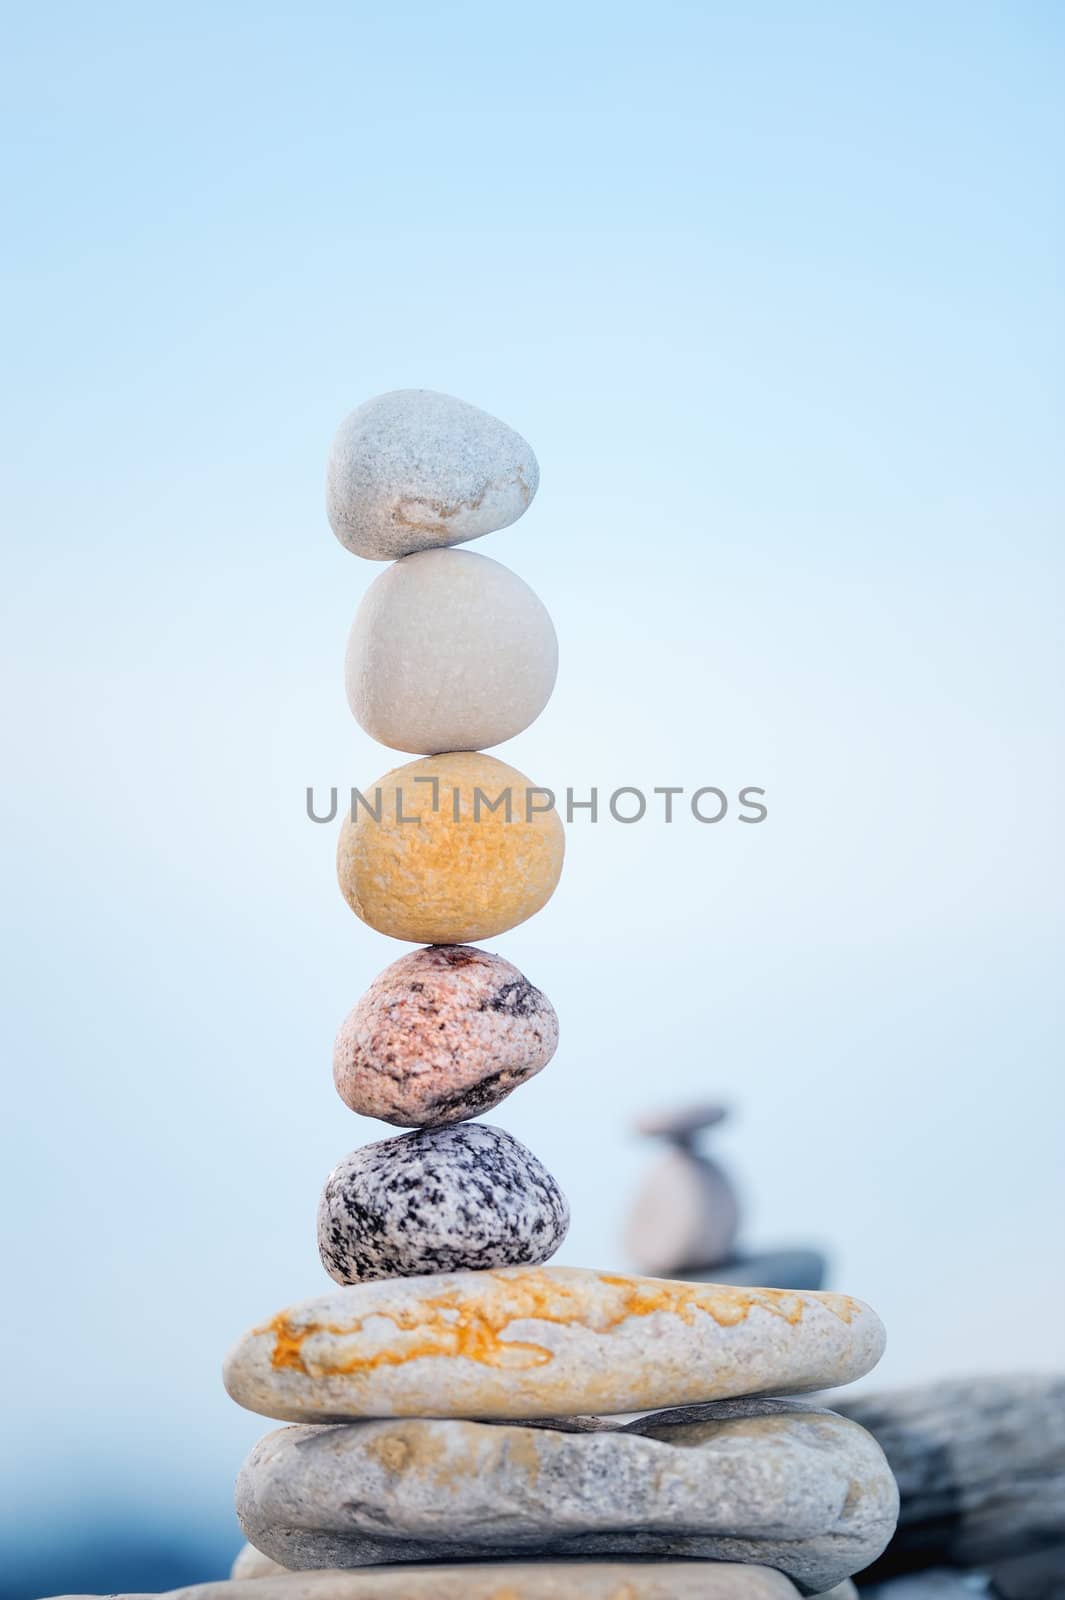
column 449, row 651
column 441, row 1035
column 685, row 1216
column 680, row 1124
column 417, row 470
column 421, row 875
column 440, row 1200
column 512, row 1580
column 805, row 1492
column 937, row 1583
column 542, row 1342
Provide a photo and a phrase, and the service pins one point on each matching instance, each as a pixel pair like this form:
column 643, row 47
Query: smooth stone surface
column 440, row 1200
column 251, row 1563
column 980, row 1464
column 417, row 470
column 685, row 1216
column 449, row 651
column 541, row 1342
column 783, row 1269
column 441, row 1035
column 433, row 870
column 512, row 1580
column 807, row 1493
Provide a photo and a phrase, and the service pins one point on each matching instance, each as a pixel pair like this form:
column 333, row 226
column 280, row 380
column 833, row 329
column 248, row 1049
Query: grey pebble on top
column 417, row 470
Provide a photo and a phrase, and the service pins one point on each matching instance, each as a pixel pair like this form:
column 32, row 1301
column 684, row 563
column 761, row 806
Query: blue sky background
column 775, row 293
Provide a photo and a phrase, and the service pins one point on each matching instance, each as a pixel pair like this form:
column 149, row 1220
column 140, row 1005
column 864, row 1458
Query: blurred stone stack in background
column 685, row 1218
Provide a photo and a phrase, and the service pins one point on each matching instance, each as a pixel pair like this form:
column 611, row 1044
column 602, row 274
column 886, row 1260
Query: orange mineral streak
column 469, row 1322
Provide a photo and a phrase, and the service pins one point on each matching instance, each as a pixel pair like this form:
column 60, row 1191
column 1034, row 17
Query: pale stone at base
column 802, row 1491
column 549, row 1580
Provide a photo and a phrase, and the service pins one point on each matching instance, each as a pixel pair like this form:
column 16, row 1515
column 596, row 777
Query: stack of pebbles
column 455, row 1400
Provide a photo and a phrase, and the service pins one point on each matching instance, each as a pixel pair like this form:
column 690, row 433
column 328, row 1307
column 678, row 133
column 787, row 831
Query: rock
column 940, row 1583
column 780, row 1269
column 441, row 1035
column 513, row 1580
column 1031, row 1577
column 416, row 470
column 842, row 1591
column 440, row 1200
column 681, row 1125
column 449, row 651
column 251, row 1563
column 437, row 865
column 542, row 1342
column 807, row 1493
column 980, row 1464
column 685, row 1216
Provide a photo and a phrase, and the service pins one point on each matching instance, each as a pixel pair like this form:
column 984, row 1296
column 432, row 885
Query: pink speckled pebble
column 441, row 1035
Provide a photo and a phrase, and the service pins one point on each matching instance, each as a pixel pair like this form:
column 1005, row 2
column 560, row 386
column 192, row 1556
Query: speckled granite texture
column 440, row 1200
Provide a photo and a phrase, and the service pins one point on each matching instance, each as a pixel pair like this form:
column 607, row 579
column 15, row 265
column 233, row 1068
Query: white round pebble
column 449, row 651
column 416, row 470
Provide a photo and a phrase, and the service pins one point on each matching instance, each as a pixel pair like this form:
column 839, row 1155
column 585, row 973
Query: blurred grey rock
column 798, row 1489
column 939, row 1583
column 1032, row 1577
column 685, row 1214
column 980, row 1464
column 548, row 1580
column 682, row 1124
column 771, row 1269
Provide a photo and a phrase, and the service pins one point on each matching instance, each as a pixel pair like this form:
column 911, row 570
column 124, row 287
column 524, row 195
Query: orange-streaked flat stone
column 541, row 1342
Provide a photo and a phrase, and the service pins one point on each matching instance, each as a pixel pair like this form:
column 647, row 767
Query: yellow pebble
column 441, row 866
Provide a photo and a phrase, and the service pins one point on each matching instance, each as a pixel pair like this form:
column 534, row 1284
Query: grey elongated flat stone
column 681, row 1123
column 543, row 1342
column 417, row 470
column 783, row 1269
column 803, row 1491
column 517, row 1580
column 1032, row 1576
column 938, row 1583
column 980, row 1464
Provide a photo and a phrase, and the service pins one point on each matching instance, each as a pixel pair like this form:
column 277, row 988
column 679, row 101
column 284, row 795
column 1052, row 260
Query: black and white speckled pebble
column 439, row 1200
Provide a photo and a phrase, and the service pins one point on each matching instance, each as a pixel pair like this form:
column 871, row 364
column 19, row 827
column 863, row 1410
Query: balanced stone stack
column 454, row 1400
